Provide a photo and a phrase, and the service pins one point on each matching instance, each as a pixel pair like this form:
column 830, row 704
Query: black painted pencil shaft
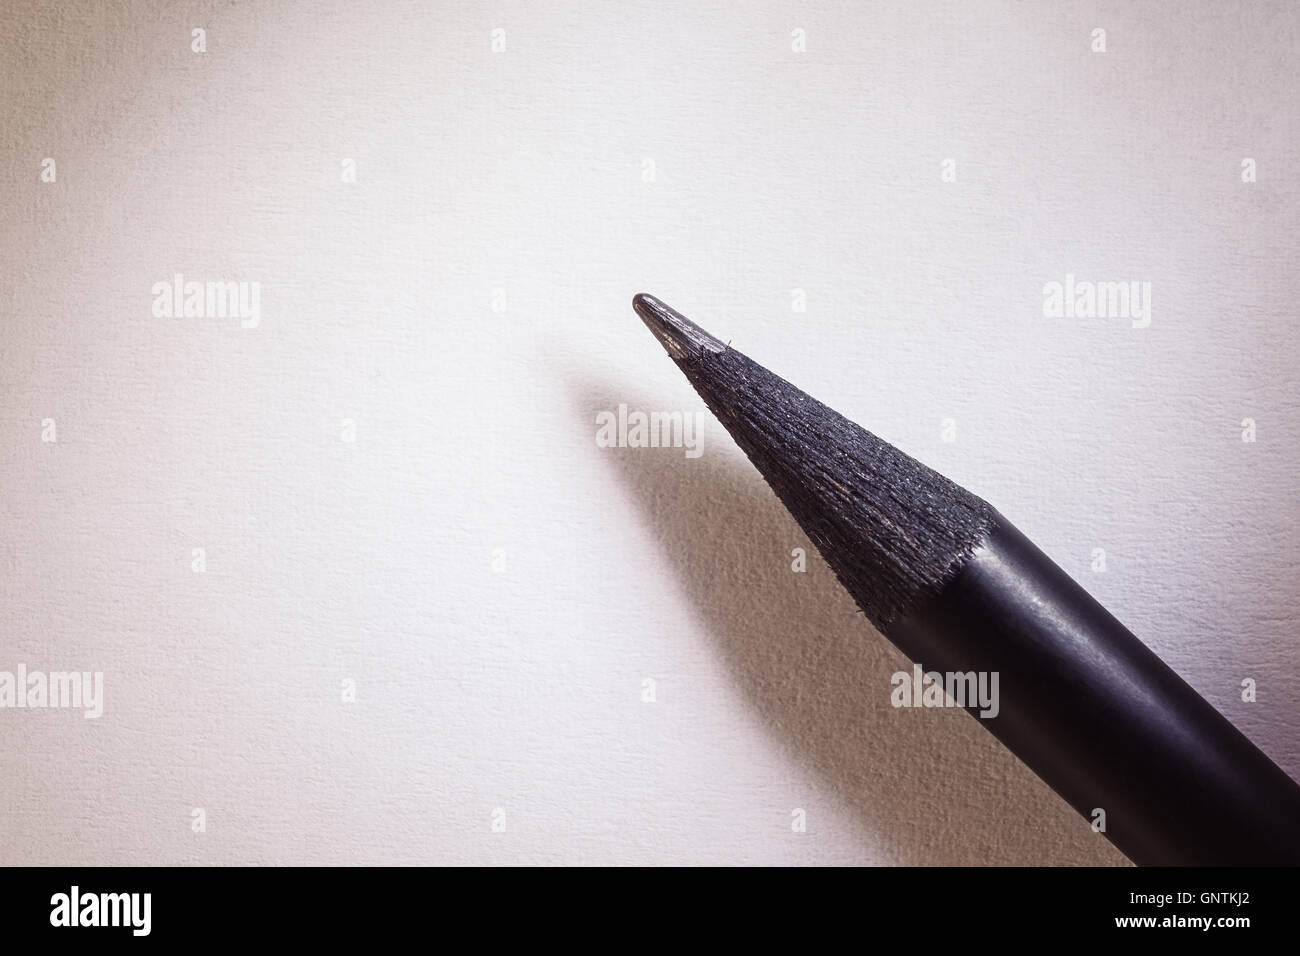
column 1106, row 723
column 956, row 587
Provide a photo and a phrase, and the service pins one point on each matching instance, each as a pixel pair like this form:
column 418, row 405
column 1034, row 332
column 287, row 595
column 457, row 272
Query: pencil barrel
column 1099, row 717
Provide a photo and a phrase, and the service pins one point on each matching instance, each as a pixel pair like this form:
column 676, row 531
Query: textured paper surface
column 496, row 587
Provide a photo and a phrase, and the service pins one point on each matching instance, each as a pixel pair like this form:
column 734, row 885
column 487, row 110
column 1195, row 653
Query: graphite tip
column 681, row 337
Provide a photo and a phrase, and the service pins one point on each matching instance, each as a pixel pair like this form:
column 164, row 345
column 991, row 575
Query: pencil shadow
column 932, row 787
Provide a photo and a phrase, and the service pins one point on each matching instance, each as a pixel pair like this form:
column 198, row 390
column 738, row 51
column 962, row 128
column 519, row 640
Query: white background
column 519, row 687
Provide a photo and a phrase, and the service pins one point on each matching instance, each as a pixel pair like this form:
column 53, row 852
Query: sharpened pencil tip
column 894, row 531
column 681, row 337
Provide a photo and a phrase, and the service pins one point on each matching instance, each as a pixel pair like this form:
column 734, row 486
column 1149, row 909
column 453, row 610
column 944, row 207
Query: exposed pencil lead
column 679, row 335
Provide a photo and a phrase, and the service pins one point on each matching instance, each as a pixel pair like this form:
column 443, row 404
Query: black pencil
column 1085, row 704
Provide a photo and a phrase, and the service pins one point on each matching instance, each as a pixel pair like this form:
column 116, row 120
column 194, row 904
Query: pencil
column 952, row 583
